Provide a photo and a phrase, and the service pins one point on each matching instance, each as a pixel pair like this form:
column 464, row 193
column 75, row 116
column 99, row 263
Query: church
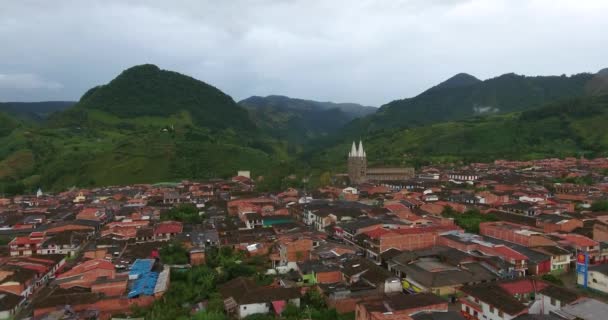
column 358, row 172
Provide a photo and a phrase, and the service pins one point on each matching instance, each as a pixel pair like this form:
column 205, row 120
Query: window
column 553, row 302
column 491, row 309
column 500, row 314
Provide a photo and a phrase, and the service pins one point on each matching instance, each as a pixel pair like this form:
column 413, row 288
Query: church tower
column 357, row 164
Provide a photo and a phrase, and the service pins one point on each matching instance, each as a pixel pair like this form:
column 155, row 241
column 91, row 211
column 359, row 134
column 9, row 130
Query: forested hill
column 299, row 120
column 146, row 125
column 464, row 96
column 148, row 91
column 570, row 127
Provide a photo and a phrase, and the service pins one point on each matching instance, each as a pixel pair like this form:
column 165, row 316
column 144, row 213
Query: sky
column 364, row 51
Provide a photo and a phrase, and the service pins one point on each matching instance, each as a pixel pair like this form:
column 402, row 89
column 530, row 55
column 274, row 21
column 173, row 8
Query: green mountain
column 598, row 84
column 146, row 125
column 570, row 127
column 146, row 90
column 464, row 96
column 299, row 120
column 7, row 124
column 34, row 111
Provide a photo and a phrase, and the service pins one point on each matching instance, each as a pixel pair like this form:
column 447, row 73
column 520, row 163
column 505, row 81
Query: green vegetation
column 297, row 121
column 145, row 126
column 600, row 205
column 567, row 128
column 151, row 125
column 553, row 279
column 174, row 253
column 468, row 220
column 4, row 240
column 33, row 111
column 200, row 283
column 187, row 213
column 146, row 90
column 461, row 97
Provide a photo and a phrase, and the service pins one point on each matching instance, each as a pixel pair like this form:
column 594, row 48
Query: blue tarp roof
column 144, row 285
column 141, row 266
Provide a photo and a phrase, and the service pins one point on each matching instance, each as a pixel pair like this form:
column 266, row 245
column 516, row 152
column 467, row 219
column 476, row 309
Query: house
column 166, row 230
column 27, row 246
column 560, row 258
column 399, row 306
column 291, row 251
column 553, row 298
column 67, row 243
column 463, row 176
column 379, row 240
column 319, row 271
column 506, row 300
column 86, row 273
column 93, row 214
column 243, row 297
column 440, row 270
column 586, row 308
column 23, row 275
column 516, row 233
column 359, row 270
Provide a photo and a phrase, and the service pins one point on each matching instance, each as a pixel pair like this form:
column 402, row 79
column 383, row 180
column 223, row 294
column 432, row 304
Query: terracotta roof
column 168, row 227
column 87, row 266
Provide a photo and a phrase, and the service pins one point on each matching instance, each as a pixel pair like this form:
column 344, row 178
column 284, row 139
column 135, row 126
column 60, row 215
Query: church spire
column 361, row 152
column 353, row 151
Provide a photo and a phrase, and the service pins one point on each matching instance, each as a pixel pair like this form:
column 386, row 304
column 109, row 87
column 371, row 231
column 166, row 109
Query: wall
column 596, row 281
column 407, row 241
column 116, row 305
column 329, row 277
column 493, row 315
column 249, row 309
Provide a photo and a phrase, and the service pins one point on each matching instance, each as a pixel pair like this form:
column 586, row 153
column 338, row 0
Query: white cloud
column 368, row 51
column 27, row 81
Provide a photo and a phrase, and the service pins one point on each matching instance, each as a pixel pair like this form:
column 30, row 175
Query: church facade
column 358, row 172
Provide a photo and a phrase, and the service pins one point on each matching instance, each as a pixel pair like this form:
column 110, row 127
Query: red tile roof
column 523, row 286
column 168, row 227
column 86, row 267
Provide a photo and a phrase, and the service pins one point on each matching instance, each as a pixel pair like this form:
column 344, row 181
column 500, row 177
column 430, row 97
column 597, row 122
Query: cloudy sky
column 366, row 51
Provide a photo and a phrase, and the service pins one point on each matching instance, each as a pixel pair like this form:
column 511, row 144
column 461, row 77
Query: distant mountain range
column 299, row 120
column 150, row 125
column 464, row 96
column 35, row 111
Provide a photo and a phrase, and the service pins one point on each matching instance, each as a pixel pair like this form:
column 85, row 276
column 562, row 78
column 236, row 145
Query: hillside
column 34, row 111
column 464, row 96
column 571, row 127
column 7, row 124
column 146, row 90
column 147, row 125
column 299, row 120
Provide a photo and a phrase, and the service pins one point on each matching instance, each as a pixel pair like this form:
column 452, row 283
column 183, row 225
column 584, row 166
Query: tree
column 313, row 298
column 600, row 205
column 325, row 179
column 209, row 315
column 174, row 253
column 187, row 213
column 553, row 279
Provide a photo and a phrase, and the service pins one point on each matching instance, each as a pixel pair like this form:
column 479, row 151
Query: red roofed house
column 166, row 230
column 94, row 214
column 515, row 233
column 27, row 246
column 86, row 273
column 380, row 239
